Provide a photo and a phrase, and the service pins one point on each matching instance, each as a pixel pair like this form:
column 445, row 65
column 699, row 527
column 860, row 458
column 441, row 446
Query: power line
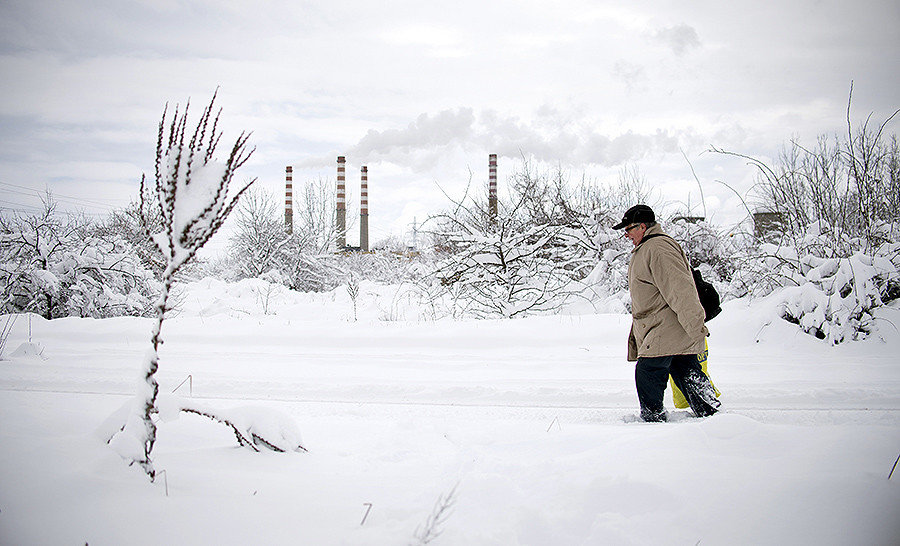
column 27, row 208
column 32, row 209
column 99, row 201
column 66, row 200
column 32, row 192
column 107, row 209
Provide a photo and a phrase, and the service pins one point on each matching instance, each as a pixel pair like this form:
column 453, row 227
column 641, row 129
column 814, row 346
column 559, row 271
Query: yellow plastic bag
column 677, row 396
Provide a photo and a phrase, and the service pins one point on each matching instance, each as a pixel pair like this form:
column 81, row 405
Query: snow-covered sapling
column 353, row 292
column 438, row 517
column 5, row 331
column 192, row 196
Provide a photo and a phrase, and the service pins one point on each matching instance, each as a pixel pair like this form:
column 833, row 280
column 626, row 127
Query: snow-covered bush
column 836, row 301
column 60, row 266
column 831, row 297
column 304, row 259
column 528, row 258
column 608, row 281
column 384, row 267
column 508, row 273
column 313, row 272
column 836, row 257
column 309, row 272
column 254, row 427
column 130, row 225
column 706, row 249
column 551, row 242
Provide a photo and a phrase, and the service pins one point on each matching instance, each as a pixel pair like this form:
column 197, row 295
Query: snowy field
column 526, row 425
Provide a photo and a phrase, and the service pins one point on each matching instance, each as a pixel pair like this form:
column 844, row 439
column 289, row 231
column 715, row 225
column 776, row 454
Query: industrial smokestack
column 492, row 186
column 341, row 205
column 364, row 210
column 289, row 199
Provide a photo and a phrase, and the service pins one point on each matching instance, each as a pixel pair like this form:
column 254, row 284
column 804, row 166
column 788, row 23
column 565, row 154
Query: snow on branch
column 253, row 427
column 191, row 188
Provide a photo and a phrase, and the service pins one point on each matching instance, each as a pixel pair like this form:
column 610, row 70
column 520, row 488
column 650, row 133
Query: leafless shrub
column 847, row 187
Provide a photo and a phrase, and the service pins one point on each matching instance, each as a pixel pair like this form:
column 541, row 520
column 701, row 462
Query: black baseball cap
column 636, row 215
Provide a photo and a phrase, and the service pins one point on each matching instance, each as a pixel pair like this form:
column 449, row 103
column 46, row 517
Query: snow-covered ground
column 527, row 419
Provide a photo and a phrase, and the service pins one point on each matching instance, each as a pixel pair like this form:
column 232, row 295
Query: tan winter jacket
column 667, row 318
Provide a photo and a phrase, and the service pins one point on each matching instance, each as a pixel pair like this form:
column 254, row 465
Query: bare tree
column 315, row 222
column 30, row 246
column 608, row 201
column 260, row 242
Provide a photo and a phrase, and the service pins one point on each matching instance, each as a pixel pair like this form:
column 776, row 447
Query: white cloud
column 489, row 131
column 425, row 132
column 679, row 38
column 424, row 92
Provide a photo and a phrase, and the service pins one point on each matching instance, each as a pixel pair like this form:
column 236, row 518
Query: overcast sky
column 422, row 92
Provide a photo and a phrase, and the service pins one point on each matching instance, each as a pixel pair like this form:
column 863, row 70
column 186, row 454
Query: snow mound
column 28, row 350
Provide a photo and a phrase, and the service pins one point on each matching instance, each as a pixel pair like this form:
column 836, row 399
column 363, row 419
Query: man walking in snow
column 667, row 330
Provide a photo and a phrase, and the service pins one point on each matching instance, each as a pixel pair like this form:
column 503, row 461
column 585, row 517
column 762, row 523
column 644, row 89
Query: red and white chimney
column 364, row 210
column 289, row 199
column 341, row 205
column 492, row 186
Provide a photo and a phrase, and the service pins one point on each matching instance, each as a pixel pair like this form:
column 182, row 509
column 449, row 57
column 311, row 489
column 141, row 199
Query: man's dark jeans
column 651, row 375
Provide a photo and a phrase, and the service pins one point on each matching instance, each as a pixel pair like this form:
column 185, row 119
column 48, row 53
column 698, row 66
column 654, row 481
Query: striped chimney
column 341, row 205
column 364, row 209
column 492, row 186
column 289, row 199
